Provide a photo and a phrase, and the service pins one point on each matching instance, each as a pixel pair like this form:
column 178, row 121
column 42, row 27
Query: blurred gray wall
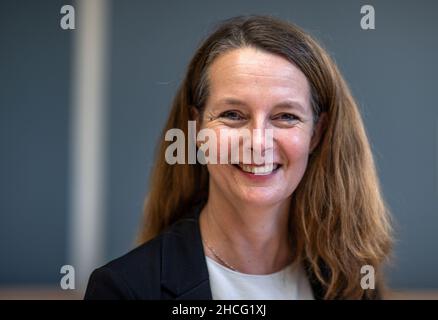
column 34, row 129
column 391, row 70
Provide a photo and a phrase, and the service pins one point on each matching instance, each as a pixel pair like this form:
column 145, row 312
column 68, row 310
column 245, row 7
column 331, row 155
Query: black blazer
column 170, row 266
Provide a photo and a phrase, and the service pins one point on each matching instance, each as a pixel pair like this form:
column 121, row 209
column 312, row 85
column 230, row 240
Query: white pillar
column 87, row 153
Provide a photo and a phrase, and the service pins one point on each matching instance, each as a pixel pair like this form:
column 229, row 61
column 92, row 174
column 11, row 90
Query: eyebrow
column 287, row 104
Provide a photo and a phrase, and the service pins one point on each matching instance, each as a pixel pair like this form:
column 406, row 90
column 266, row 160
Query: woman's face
column 253, row 89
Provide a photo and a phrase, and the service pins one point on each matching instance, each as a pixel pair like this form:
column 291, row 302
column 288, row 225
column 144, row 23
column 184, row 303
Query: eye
column 232, row 115
column 286, row 117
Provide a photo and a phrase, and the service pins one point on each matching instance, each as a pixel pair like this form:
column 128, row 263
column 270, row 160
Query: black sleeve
column 105, row 284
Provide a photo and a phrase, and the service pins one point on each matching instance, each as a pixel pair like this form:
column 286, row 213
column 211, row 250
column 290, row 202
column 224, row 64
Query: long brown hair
column 339, row 221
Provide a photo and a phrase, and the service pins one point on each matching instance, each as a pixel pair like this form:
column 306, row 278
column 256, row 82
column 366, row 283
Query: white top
column 291, row 283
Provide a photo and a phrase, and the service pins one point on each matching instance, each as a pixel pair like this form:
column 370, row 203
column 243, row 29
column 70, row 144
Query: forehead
column 252, row 74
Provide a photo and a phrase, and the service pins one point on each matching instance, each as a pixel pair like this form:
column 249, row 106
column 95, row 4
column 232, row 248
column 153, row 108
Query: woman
column 299, row 227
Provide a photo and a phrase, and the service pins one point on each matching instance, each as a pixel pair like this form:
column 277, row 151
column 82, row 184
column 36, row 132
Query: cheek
column 294, row 146
column 229, row 144
column 219, row 146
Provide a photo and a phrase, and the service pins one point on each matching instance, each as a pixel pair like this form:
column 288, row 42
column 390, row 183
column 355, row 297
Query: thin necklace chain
column 213, row 251
column 217, row 256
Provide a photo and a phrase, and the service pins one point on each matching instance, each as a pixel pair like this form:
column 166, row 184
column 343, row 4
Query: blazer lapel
column 184, row 273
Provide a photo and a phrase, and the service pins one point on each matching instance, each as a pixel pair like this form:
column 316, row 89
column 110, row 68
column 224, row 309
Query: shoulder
column 139, row 273
column 134, row 275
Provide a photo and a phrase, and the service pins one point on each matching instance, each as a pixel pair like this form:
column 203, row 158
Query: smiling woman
column 299, row 226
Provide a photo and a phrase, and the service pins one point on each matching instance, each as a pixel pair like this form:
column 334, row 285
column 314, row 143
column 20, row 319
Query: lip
column 257, row 177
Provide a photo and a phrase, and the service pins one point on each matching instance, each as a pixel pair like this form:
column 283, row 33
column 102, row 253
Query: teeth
column 259, row 170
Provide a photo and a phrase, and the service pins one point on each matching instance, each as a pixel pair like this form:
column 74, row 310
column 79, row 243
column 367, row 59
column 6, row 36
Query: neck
column 253, row 239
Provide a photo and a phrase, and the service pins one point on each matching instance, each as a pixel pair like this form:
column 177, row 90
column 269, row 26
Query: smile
column 260, row 169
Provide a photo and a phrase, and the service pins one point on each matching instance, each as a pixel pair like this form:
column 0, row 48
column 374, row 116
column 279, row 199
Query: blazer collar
column 184, row 273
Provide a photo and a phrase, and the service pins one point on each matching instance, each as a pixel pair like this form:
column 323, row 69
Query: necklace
column 215, row 254
column 219, row 257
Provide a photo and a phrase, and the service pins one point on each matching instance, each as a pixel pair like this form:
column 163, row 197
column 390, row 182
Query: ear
column 318, row 131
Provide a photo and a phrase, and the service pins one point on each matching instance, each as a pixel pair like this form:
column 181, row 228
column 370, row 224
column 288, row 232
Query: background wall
column 34, row 125
column 391, row 70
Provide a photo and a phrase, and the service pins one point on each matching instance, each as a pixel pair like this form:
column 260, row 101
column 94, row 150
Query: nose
column 262, row 140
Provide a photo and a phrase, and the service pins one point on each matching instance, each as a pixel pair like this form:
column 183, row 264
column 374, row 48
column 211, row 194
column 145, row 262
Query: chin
column 261, row 198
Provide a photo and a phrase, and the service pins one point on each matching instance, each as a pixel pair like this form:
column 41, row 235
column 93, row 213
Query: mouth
column 259, row 170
